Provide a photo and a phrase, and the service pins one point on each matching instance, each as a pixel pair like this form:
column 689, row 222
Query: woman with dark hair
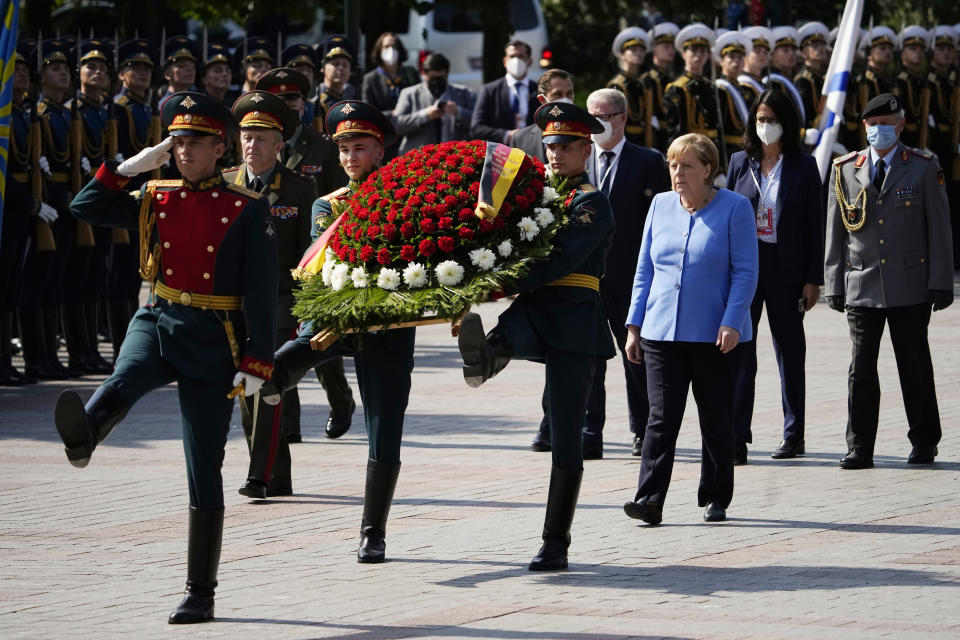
column 783, row 185
column 381, row 86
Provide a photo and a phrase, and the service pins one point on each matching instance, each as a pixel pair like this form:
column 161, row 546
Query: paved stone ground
column 810, row 550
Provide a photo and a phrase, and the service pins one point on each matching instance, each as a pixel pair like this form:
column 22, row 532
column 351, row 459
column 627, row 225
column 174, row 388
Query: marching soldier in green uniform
column 888, row 258
column 265, row 122
column 691, row 100
column 944, row 121
column 809, row 81
column 729, row 51
column 557, row 319
column 209, row 250
column 630, row 48
column 314, row 155
column 912, row 87
column 656, row 79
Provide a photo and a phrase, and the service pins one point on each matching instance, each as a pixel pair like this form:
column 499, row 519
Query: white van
column 455, row 32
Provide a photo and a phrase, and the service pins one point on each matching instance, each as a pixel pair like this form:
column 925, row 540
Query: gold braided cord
column 51, row 147
column 149, row 260
column 846, row 207
column 21, row 158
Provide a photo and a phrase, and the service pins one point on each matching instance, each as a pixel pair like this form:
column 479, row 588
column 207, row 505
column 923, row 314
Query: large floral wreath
column 410, row 241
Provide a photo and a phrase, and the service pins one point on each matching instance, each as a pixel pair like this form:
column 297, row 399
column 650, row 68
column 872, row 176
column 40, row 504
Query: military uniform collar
column 50, row 102
column 266, row 178
column 87, row 100
column 124, row 91
column 692, row 76
column 205, row 184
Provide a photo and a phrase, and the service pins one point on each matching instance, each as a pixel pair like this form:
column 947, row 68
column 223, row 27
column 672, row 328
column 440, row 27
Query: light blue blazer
column 695, row 272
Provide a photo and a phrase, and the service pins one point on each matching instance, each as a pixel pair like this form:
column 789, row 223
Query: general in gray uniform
column 888, row 256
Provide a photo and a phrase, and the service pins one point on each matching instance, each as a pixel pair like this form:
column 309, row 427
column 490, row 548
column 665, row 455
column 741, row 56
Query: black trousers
column 908, row 333
column 789, row 346
column 672, row 368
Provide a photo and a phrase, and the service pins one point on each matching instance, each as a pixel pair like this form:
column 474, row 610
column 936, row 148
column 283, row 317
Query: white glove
column 251, row 383
column 811, row 137
column 44, row 164
column 839, row 149
column 654, row 122
column 118, row 157
column 85, row 164
column 931, row 121
column 47, row 213
column 148, row 159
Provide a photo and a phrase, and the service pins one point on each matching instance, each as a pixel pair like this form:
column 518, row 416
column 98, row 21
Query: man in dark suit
column 630, row 175
column 555, row 85
column 433, row 111
column 508, row 104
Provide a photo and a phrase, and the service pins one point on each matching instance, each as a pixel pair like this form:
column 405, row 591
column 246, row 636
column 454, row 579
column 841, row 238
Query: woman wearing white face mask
column 381, row 86
column 783, row 184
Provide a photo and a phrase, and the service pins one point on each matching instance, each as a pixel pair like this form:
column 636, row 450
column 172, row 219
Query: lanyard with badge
column 764, row 212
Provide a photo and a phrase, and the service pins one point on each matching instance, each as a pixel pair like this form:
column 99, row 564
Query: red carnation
column 498, row 222
column 374, row 216
column 363, row 214
column 343, row 253
column 411, row 181
column 407, row 230
column 446, row 244
column 505, row 209
column 407, row 213
column 415, row 201
column 373, row 231
column 383, row 256
column 427, row 248
column 445, row 222
column 353, row 255
column 468, row 171
column 389, row 231
column 407, row 252
column 427, row 225
column 454, row 178
column 465, row 214
column 485, row 227
column 366, row 252
column 466, row 233
column 358, row 233
column 401, row 194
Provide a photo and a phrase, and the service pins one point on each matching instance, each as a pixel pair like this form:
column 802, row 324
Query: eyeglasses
column 765, row 120
column 605, row 116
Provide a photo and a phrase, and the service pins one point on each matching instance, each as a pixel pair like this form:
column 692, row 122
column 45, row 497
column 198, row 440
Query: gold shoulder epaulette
column 617, row 81
column 236, row 188
column 165, row 184
column 842, row 159
column 41, row 108
column 233, row 168
column 903, row 75
column 586, row 187
column 338, row 194
column 680, row 82
column 122, row 100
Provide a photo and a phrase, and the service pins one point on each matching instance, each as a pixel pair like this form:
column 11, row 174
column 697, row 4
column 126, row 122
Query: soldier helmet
column 630, row 37
column 885, row 104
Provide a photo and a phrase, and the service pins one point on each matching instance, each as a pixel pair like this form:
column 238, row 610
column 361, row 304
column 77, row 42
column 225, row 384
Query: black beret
column 884, row 104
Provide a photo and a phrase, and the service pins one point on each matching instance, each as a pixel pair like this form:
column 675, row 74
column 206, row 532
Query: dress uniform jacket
column 209, row 240
column 656, row 81
column 735, row 110
column 316, row 157
column 18, row 209
column 913, row 90
column 290, row 196
column 943, row 106
column 809, row 82
column 633, row 88
column 903, row 248
column 691, row 107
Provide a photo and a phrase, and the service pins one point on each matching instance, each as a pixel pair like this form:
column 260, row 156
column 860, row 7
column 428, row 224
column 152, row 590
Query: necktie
column 880, row 174
column 257, row 185
column 515, row 100
column 607, row 157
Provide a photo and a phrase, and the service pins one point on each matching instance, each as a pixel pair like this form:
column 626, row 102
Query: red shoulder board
column 243, row 191
column 940, row 177
column 860, row 161
column 904, row 155
column 849, row 156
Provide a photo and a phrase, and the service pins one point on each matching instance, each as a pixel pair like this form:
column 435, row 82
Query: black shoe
column 42, row 371
column 97, row 365
column 922, row 454
column 714, row 513
column 75, row 428
column 593, row 451
column 339, row 425
column 856, row 459
column 637, row 446
column 294, row 438
column 484, row 356
column 541, row 442
column 192, row 609
column 740, row 455
column 551, row 557
column 279, row 489
column 10, row 377
column 788, row 449
column 77, row 367
column 643, row 509
column 253, row 488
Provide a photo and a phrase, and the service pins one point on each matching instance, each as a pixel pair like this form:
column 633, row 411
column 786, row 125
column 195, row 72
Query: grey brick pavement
column 810, row 551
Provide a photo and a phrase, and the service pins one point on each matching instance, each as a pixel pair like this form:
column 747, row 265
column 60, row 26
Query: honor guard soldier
column 209, row 252
column 384, row 359
column 878, row 46
column 944, row 120
column 809, row 81
column 265, row 122
column 691, row 100
column 729, row 51
column 303, row 58
column 630, row 48
column 216, row 76
column 783, row 63
column 338, row 59
column 564, row 287
column 179, row 66
column 254, row 58
column 912, row 87
column 660, row 74
column 888, row 257
column 756, row 62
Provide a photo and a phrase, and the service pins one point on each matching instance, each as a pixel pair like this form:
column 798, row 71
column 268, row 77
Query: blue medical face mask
column 881, row 136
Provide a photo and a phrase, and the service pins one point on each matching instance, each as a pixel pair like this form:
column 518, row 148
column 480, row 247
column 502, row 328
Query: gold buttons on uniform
column 882, row 241
column 907, row 203
column 206, row 276
column 169, row 272
column 880, row 221
column 166, row 245
column 224, row 220
column 209, row 248
column 183, row 194
column 215, row 194
column 238, row 203
column 163, row 214
column 879, row 201
column 883, row 261
column 185, row 298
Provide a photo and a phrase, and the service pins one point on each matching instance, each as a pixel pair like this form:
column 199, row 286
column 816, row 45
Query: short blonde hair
column 702, row 147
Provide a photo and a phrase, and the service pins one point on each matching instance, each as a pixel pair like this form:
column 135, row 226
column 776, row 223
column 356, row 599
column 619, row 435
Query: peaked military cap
column 187, row 113
column 255, row 48
column 137, row 50
column 284, row 81
column 54, row 50
column 27, row 52
column 731, row 42
column 759, row 37
column 299, row 54
column 914, row 34
column 663, row 33
column 216, row 53
column 693, row 35
column 785, row 36
column 178, row 48
column 94, row 49
column 943, row 34
column 337, row 46
column 884, row 104
column 262, row 110
column 813, row 32
column 630, row 37
column 562, row 122
column 350, row 118
column 878, row 35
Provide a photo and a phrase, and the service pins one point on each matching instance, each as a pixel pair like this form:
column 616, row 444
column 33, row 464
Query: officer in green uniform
column 691, row 99
column 630, row 48
column 944, row 121
column 912, row 87
column 656, row 79
column 557, row 319
column 265, row 122
column 209, row 249
column 809, row 80
column 315, row 156
column 730, row 51
column 383, row 359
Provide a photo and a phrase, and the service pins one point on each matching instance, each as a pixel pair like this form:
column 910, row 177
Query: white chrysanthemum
column 329, row 255
column 327, row 269
column 449, row 273
column 340, row 276
column 359, row 277
column 415, row 275
column 528, row 228
column 388, row 279
column 549, row 195
column 505, row 248
column 483, row 259
column 544, row 217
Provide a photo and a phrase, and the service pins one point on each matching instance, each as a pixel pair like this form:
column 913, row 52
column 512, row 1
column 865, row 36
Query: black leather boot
column 34, row 346
column 290, row 363
column 51, row 341
column 377, row 497
column 81, row 427
column 9, row 376
column 75, row 332
column 96, row 364
column 561, row 503
column 118, row 318
column 484, row 356
column 203, row 558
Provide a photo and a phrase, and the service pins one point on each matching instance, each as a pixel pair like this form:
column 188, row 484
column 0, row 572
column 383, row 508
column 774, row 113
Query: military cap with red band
column 187, row 113
column 262, row 110
column 284, row 81
column 351, row 118
column 562, row 122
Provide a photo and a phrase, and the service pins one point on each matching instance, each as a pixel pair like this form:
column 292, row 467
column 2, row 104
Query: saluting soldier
column 875, row 79
column 265, row 122
column 210, row 254
column 809, row 81
column 944, row 120
column 179, row 66
column 303, row 58
column 912, row 87
column 630, row 48
column 888, row 257
column 656, row 79
column 557, row 319
column 253, row 58
column 730, row 50
column 783, row 59
column 756, row 62
column 691, row 100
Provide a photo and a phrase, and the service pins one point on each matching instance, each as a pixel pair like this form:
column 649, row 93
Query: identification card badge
column 764, row 221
